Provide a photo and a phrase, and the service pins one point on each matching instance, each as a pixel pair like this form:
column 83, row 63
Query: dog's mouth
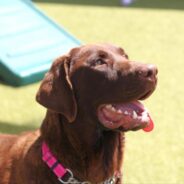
column 125, row 116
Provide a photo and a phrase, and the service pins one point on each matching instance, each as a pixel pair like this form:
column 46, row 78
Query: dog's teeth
column 109, row 106
column 145, row 116
column 134, row 115
column 119, row 111
column 126, row 113
column 110, row 122
column 113, row 109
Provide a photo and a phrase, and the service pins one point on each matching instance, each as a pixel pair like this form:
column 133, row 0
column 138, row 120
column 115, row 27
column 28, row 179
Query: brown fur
column 71, row 91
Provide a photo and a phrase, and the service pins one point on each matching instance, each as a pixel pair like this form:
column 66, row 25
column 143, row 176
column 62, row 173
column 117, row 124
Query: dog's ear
column 56, row 91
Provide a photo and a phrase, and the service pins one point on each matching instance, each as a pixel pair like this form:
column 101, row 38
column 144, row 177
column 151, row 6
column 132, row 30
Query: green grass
column 150, row 31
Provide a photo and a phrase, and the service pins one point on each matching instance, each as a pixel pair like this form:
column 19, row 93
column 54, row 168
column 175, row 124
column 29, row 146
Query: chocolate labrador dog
column 92, row 97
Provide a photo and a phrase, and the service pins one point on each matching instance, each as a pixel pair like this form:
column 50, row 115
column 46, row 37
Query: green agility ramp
column 29, row 41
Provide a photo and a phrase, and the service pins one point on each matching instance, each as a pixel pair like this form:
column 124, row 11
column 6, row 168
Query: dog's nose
column 148, row 71
column 151, row 71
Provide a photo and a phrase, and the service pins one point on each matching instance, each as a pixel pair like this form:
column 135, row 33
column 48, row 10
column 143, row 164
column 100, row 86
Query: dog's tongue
column 126, row 116
column 150, row 126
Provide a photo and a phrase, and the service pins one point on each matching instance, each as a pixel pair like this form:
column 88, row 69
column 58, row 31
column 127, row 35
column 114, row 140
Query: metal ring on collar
column 71, row 177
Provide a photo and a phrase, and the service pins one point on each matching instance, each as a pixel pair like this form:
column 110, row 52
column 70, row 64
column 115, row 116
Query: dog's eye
column 98, row 62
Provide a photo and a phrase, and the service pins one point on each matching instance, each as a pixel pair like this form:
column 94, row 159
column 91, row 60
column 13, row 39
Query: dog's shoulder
column 13, row 151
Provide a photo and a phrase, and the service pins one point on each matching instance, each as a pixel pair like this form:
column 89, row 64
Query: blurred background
column 151, row 31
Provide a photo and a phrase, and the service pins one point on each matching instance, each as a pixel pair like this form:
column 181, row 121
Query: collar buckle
column 71, row 179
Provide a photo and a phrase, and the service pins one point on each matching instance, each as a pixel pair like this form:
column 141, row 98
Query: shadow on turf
column 158, row 4
column 11, row 128
column 4, row 83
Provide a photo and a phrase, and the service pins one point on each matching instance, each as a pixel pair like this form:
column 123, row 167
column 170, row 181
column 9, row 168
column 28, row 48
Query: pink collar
column 60, row 171
column 53, row 163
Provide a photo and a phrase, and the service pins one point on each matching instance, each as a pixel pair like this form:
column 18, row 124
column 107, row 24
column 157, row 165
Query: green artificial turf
column 151, row 31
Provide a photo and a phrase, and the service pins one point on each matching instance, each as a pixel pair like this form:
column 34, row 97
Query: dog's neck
column 83, row 148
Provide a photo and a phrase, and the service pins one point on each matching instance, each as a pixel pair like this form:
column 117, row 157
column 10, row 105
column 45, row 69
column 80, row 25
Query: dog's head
column 99, row 84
